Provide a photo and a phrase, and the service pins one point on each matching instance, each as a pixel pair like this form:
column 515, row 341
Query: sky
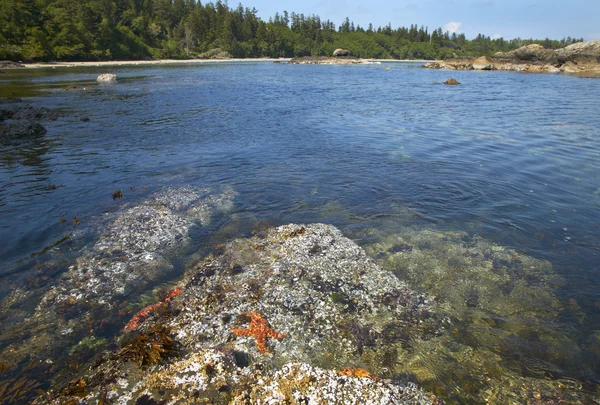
column 495, row 18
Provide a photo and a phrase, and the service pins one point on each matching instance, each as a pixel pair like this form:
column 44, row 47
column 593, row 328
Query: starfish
column 259, row 330
column 147, row 311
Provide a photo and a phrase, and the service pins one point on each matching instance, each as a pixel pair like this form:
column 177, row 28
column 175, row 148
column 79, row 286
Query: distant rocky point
column 582, row 57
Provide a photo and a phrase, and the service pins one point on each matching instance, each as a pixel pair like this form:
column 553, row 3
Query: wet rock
column 133, row 248
column 341, row 52
column 452, row 82
column 134, row 251
column 75, row 88
column 19, row 122
column 18, row 132
column 302, row 383
column 291, row 288
column 107, row 78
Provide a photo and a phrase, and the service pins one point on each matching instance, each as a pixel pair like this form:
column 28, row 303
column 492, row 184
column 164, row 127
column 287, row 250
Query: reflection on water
column 487, row 200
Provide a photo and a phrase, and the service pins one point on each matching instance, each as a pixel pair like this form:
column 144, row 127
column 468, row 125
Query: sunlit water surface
column 513, row 158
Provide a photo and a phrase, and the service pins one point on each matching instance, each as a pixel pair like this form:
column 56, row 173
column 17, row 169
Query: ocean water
column 511, row 158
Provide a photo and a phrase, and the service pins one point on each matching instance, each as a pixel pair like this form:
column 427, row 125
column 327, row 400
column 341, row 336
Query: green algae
column 506, row 345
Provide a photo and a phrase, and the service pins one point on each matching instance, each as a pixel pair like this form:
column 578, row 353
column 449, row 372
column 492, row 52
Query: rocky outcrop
column 483, row 63
column 532, row 53
column 20, row 122
column 575, row 58
column 336, row 309
column 341, row 52
column 106, row 78
column 590, row 49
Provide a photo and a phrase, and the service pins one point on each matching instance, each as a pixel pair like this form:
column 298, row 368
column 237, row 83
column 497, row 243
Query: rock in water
column 341, row 52
column 134, row 250
column 452, row 82
column 107, row 78
column 334, row 307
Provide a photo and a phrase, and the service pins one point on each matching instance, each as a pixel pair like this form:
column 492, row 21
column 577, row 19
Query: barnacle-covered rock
column 337, row 306
column 134, row 250
column 303, row 384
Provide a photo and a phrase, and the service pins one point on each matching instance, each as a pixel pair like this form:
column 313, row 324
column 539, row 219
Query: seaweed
column 76, row 388
column 20, row 390
column 117, row 194
column 149, row 347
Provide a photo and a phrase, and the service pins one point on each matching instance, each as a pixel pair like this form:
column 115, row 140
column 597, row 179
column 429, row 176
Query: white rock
column 107, row 77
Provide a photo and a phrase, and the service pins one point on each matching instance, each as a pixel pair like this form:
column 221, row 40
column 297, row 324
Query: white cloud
column 453, row 26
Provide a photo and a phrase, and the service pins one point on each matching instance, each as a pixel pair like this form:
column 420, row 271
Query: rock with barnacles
column 275, row 318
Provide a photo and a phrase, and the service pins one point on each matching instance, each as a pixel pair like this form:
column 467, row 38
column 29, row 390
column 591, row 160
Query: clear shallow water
column 513, row 158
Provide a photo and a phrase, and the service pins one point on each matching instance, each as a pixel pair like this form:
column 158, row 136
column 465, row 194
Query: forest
column 88, row 30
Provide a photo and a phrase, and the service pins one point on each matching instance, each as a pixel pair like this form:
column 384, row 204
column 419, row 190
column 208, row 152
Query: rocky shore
column 583, row 57
column 293, row 314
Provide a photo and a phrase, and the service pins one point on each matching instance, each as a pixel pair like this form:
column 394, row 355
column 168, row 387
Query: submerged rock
column 505, row 339
column 338, row 308
column 135, row 249
column 20, row 122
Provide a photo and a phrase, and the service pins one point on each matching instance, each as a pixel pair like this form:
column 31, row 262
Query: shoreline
column 40, row 65
column 148, row 62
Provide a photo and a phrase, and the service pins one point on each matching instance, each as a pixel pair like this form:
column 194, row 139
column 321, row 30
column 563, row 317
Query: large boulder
column 483, row 63
column 341, row 52
column 107, row 78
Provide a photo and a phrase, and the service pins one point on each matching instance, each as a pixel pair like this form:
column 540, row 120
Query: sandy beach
column 180, row 62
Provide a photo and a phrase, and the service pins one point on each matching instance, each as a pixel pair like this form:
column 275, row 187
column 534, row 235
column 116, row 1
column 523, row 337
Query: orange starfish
column 259, row 330
column 147, row 311
column 357, row 372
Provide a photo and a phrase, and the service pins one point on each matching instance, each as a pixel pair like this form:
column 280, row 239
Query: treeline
column 43, row 30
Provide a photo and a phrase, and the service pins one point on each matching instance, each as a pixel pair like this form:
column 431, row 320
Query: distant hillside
column 67, row 30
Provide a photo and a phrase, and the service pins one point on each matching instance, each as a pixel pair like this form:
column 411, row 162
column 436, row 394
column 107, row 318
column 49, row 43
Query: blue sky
column 507, row 18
